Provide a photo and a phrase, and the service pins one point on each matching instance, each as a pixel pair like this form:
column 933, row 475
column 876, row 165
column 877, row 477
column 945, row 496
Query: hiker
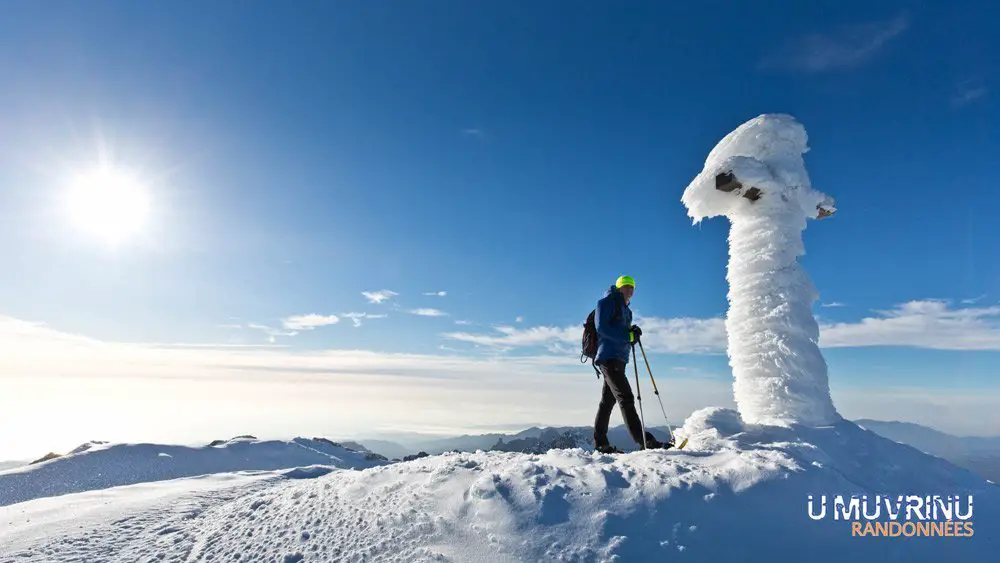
column 616, row 335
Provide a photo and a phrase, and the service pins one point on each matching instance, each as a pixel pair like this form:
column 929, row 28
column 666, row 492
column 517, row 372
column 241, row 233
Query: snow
column 99, row 465
column 738, row 493
column 12, row 464
column 780, row 374
column 79, row 518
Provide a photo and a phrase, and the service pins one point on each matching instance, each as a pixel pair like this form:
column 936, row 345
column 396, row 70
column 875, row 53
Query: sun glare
column 109, row 204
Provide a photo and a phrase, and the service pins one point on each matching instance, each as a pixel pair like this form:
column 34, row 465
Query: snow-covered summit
column 99, row 465
column 738, row 493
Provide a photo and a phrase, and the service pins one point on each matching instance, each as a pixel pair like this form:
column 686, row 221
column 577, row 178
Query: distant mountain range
column 528, row 440
column 978, row 454
column 547, row 439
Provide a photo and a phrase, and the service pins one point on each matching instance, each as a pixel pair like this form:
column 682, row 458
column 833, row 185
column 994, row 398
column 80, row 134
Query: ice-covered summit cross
column 757, row 178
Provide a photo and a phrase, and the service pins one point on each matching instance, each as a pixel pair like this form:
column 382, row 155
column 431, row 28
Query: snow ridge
column 99, row 465
column 738, row 494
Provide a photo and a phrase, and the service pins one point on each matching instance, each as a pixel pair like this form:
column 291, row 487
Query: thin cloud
column 844, row 48
column 974, row 300
column 681, row 336
column 511, row 337
column 697, row 372
column 559, row 349
column 379, row 296
column 519, row 319
column 356, row 318
column 921, row 324
column 473, row 132
column 833, row 304
column 436, row 293
column 968, row 94
column 271, row 332
column 684, row 335
column 463, row 322
column 185, row 345
column 932, row 324
column 309, row 322
column 428, row 312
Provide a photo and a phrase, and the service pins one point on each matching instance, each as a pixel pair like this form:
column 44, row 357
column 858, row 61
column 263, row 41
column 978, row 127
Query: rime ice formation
column 756, row 177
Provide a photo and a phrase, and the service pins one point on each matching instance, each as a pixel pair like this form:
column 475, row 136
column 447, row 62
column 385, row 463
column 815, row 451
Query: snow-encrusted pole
column 757, row 178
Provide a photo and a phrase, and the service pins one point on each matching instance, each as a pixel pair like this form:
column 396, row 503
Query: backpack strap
column 619, row 307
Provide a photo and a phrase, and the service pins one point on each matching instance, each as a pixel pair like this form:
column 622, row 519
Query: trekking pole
column 655, row 390
column 642, row 418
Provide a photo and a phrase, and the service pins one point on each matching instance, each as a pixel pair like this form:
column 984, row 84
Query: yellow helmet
column 625, row 280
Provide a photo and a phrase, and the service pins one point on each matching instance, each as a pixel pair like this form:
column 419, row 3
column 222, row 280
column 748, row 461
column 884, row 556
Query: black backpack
column 589, row 344
column 589, row 341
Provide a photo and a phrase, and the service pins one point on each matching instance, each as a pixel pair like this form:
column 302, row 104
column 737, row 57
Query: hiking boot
column 655, row 444
column 607, row 449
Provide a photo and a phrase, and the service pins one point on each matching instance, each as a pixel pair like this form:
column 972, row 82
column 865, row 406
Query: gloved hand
column 634, row 333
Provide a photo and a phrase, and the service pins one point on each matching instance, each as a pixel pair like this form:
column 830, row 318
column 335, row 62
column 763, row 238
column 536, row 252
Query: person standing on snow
column 616, row 335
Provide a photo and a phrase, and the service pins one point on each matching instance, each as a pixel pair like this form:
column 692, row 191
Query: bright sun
column 108, row 203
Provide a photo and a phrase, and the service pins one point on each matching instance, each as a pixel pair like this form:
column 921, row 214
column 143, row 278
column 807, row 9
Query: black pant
column 617, row 389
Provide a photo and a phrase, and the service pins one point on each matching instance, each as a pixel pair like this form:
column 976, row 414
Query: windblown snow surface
column 780, row 374
column 737, row 493
column 98, row 465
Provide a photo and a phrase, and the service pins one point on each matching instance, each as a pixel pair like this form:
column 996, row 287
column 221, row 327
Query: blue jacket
column 612, row 338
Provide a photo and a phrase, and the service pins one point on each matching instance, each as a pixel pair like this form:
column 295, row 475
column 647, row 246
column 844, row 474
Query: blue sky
column 516, row 158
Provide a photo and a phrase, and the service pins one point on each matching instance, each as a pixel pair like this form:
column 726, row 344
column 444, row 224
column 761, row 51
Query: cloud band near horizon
column 931, row 324
column 127, row 391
